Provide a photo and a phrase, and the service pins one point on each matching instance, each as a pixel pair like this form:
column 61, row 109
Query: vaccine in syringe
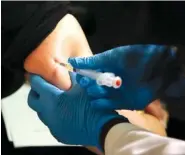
column 103, row 79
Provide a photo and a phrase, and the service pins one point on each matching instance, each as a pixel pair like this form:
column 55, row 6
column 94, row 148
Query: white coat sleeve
column 127, row 139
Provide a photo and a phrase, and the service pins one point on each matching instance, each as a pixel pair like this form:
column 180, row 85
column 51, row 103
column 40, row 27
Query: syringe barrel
column 105, row 79
column 89, row 73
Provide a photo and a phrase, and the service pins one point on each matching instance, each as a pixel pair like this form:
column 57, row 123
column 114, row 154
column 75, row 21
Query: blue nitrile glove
column 177, row 89
column 68, row 115
column 141, row 68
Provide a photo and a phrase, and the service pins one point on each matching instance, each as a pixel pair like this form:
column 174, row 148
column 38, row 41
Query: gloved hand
column 68, row 115
column 141, row 68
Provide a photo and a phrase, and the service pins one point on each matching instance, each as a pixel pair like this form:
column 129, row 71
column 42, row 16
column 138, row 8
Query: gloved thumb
column 93, row 62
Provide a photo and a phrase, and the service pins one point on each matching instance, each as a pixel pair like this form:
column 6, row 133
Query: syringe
column 105, row 79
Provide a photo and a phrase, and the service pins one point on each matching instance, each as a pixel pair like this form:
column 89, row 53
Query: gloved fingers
column 41, row 118
column 42, row 87
column 86, row 82
column 97, row 91
column 155, row 108
column 78, row 78
column 33, row 101
column 104, row 104
column 94, row 62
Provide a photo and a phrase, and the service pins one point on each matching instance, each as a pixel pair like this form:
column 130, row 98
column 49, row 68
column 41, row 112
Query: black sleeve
column 24, row 26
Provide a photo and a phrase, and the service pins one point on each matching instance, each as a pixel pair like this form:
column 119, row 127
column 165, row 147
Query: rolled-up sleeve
column 24, row 26
column 33, row 23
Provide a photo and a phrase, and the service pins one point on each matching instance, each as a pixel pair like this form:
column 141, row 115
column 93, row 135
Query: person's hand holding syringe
column 105, row 79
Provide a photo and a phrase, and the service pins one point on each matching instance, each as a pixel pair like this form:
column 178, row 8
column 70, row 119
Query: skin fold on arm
column 68, row 40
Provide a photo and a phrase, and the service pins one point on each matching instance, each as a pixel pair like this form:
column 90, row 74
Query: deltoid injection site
column 104, row 79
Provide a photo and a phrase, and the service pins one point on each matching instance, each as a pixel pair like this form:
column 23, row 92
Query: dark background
column 122, row 23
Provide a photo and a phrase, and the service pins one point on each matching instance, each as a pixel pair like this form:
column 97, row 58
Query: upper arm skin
column 66, row 40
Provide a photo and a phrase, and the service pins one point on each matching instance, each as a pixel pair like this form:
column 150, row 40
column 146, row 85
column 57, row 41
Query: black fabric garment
column 176, row 128
column 122, row 23
column 22, row 31
column 106, row 25
column 24, row 26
